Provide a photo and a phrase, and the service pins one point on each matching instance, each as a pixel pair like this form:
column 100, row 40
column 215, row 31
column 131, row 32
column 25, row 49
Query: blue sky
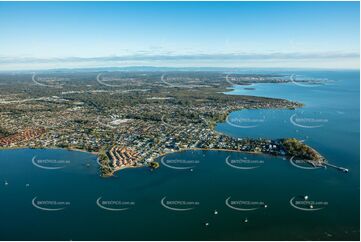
column 229, row 34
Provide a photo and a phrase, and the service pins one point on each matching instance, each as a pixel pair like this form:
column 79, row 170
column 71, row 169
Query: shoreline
column 287, row 105
column 114, row 170
column 49, row 148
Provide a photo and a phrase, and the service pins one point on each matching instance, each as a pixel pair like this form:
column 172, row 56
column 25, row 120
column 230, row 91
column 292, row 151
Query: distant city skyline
column 47, row 35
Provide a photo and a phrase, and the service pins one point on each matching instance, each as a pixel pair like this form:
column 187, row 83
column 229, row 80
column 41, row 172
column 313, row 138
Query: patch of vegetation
column 298, row 149
column 153, row 165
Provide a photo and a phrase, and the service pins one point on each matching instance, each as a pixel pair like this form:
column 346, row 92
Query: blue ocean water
column 204, row 189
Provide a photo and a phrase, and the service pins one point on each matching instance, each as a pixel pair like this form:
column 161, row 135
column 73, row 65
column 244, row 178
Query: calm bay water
column 205, row 187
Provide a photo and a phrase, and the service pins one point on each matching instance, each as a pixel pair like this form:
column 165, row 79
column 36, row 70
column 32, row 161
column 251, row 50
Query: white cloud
column 339, row 60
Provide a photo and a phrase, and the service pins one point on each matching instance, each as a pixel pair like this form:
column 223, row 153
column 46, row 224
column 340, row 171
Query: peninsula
column 131, row 118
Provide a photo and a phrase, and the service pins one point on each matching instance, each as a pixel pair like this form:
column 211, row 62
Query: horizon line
column 319, row 60
column 178, row 68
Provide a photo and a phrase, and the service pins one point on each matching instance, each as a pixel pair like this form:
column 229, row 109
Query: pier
column 337, row 167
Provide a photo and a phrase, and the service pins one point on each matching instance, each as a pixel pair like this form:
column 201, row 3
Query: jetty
column 337, row 167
